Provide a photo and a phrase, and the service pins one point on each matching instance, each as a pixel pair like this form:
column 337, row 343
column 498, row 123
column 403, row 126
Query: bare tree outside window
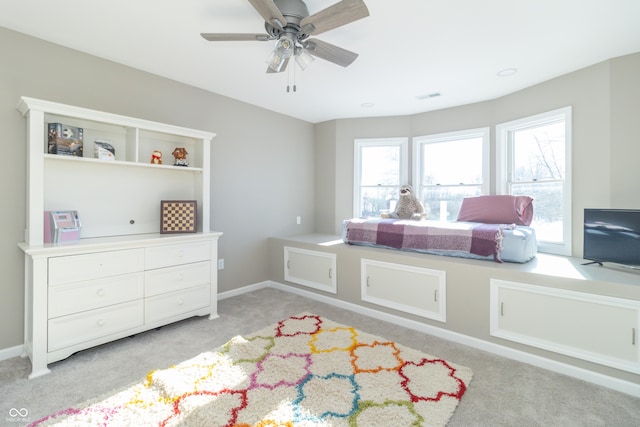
column 533, row 158
column 539, row 172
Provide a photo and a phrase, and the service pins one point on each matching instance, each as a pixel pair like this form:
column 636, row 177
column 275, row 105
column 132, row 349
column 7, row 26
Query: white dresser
column 123, row 276
column 99, row 290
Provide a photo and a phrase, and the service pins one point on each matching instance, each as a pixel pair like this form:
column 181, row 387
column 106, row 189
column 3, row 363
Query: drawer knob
column 100, row 292
column 180, row 277
column 100, row 322
column 180, row 253
column 180, row 302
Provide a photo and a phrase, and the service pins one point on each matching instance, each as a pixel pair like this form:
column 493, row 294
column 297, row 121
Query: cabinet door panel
column 310, row 268
column 591, row 327
column 411, row 289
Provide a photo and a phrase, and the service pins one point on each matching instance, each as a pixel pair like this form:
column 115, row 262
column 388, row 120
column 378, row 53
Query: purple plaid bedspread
column 466, row 237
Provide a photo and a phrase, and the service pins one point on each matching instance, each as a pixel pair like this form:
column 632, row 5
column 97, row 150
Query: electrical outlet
column 221, row 264
column 298, row 220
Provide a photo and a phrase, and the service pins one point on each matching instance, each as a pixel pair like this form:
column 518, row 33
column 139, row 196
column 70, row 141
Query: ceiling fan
column 289, row 22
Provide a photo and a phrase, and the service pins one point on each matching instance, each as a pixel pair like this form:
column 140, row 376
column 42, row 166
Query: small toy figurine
column 180, row 155
column 156, row 157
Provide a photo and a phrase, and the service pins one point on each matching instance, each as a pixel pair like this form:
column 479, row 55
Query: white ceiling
column 408, row 48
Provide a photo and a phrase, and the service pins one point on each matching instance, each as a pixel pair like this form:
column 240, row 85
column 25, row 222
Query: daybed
column 488, row 227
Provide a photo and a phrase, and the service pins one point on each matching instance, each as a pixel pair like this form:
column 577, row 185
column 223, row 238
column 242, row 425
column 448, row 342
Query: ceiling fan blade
column 225, row 37
column 284, row 67
column 339, row 14
column 329, row 52
column 269, row 12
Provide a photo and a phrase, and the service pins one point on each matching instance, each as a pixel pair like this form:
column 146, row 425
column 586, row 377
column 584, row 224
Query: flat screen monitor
column 612, row 235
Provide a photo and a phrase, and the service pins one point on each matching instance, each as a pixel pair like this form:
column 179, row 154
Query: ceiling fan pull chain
column 294, row 77
column 288, row 70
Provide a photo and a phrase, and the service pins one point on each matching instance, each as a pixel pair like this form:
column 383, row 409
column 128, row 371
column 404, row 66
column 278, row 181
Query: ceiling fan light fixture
column 304, row 58
column 285, row 46
column 276, row 61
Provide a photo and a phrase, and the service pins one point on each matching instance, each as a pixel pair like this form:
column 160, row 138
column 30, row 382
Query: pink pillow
column 497, row 209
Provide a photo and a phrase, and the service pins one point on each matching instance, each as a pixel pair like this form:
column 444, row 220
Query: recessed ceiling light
column 429, row 95
column 367, row 104
column 505, row 72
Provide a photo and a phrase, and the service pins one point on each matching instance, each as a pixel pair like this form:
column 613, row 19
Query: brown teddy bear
column 156, row 157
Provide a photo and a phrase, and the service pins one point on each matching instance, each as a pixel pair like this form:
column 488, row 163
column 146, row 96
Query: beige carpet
column 305, row 370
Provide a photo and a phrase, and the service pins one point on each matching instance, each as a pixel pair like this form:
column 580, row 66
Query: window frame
column 359, row 143
column 504, row 168
column 419, row 142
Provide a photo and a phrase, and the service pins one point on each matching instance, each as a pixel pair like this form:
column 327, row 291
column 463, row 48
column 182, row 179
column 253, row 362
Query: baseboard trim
column 245, row 290
column 616, row 384
column 11, row 352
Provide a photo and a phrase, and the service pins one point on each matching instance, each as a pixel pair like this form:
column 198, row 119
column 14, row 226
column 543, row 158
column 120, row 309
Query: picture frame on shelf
column 178, row 216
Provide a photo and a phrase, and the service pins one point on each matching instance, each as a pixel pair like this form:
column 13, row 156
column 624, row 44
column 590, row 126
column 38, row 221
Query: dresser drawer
column 76, row 268
column 170, row 279
column 175, row 303
column 78, row 328
column 170, row 255
column 83, row 296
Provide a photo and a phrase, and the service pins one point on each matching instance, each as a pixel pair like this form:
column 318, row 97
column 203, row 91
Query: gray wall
column 625, row 130
column 606, row 123
column 325, row 165
column 260, row 182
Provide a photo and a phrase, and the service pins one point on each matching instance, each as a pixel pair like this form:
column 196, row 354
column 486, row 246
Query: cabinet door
column 310, row 268
column 591, row 327
column 407, row 288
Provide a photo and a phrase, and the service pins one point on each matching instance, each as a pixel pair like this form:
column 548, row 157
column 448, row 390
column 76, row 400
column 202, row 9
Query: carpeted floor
column 503, row 392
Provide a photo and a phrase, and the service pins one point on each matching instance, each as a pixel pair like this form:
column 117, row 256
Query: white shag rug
column 303, row 371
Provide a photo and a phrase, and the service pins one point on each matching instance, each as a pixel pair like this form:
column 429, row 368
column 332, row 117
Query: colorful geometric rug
column 303, row 371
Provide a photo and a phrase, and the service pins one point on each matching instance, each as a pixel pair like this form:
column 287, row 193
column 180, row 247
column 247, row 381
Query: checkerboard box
column 178, row 216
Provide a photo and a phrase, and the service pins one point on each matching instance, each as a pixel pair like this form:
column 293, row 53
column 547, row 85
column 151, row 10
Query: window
column 380, row 170
column 534, row 158
column 449, row 167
